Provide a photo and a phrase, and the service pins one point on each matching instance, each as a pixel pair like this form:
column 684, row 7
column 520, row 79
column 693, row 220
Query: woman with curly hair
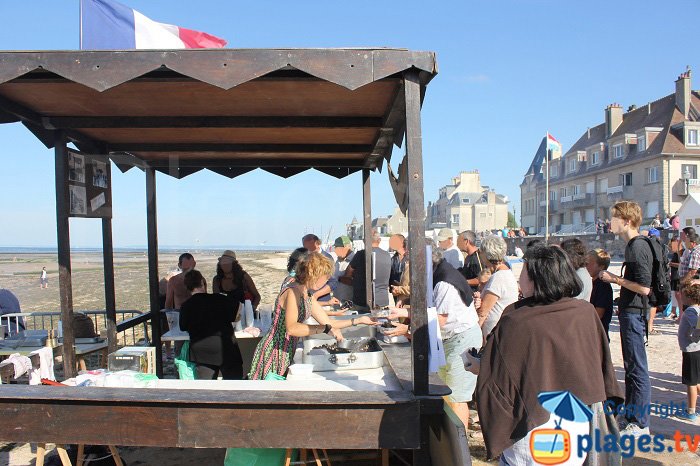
column 295, row 304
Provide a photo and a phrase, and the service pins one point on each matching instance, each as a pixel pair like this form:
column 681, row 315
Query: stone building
column 649, row 154
column 467, row 205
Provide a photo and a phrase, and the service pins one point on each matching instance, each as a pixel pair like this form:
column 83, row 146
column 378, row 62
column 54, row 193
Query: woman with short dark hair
column 208, row 318
column 547, row 341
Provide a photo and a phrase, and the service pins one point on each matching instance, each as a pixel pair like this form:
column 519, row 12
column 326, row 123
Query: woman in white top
column 459, row 328
column 501, row 289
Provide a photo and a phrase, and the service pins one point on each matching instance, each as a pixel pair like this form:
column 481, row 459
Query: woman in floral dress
column 293, row 306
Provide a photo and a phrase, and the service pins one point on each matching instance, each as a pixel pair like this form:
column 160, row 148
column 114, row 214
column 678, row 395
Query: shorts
column 690, row 373
column 461, row 381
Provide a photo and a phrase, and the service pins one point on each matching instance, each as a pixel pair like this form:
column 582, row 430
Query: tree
column 511, row 220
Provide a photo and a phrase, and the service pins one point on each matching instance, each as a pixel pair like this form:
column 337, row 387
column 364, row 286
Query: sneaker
column 622, row 422
column 633, row 430
column 687, row 416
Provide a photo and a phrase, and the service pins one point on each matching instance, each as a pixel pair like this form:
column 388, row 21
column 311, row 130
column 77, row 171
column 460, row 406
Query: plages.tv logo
column 552, row 445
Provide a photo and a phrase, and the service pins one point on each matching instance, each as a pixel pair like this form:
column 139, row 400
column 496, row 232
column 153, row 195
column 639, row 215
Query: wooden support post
column 64, row 265
column 152, row 232
column 416, row 234
column 110, row 297
column 367, row 225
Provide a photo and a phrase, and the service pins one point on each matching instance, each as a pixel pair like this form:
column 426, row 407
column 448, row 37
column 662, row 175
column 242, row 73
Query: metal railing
column 127, row 335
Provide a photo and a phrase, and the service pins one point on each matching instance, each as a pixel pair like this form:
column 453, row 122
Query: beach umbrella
column 565, row 405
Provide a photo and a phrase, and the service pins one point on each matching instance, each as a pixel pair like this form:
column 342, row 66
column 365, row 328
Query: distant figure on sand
column 44, row 278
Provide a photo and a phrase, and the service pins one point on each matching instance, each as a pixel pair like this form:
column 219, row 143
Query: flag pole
column 546, row 195
column 80, row 28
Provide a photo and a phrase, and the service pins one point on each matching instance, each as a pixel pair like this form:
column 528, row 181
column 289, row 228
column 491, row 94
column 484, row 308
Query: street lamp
column 686, row 179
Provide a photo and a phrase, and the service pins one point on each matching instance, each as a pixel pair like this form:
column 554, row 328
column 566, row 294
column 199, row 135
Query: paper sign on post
column 436, row 351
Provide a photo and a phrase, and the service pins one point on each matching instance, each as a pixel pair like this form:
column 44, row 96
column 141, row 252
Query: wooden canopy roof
column 229, row 111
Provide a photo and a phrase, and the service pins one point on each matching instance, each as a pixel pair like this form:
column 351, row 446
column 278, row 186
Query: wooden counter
column 219, row 418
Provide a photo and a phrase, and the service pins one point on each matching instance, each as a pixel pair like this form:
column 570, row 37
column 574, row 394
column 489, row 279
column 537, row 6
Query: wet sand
column 20, row 273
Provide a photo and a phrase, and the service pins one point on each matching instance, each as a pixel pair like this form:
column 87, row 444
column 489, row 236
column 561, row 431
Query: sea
column 143, row 249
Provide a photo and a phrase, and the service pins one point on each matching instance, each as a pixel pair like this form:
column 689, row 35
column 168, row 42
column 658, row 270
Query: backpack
column 660, row 294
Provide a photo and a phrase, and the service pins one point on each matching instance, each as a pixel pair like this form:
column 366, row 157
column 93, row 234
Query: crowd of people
column 552, row 321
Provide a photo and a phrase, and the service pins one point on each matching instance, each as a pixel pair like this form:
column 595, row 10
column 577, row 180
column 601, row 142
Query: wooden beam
column 416, row 234
column 250, row 163
column 108, row 265
column 153, row 278
column 71, row 122
column 367, row 224
column 65, row 283
column 242, row 148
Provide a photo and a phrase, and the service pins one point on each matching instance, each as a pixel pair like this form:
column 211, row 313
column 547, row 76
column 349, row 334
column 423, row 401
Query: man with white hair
column 451, row 253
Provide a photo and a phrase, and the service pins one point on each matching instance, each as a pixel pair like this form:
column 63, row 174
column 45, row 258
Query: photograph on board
column 78, row 200
column 76, row 168
column 99, row 174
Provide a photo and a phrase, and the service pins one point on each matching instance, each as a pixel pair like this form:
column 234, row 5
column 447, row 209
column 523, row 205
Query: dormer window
column 618, row 151
column 595, row 158
column 572, row 164
column 691, row 137
column 641, row 143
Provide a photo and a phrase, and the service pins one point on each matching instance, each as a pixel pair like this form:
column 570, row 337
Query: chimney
column 683, row 93
column 613, row 119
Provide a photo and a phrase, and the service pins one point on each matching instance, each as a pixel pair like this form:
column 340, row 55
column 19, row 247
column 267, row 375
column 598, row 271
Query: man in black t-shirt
column 474, row 263
column 633, row 306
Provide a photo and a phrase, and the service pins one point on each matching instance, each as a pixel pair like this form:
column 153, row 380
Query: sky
column 509, row 71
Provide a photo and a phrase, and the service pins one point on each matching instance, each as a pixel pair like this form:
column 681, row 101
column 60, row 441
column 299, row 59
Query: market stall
column 176, row 112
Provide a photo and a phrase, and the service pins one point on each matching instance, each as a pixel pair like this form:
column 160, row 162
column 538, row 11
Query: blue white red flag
column 109, row 25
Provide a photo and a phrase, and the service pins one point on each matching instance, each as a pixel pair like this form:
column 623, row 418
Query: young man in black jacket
column 633, row 306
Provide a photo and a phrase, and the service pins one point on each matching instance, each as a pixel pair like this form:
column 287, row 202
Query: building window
column 603, row 185
column 555, row 170
column 572, row 164
column 652, row 175
column 482, row 215
column 641, row 143
column 562, row 192
column 692, row 139
column 626, row 179
column 691, row 169
column 617, row 151
column 455, row 218
column 595, row 158
column 576, row 189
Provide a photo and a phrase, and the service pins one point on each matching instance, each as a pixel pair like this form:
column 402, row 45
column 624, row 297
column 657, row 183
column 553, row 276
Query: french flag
column 109, row 25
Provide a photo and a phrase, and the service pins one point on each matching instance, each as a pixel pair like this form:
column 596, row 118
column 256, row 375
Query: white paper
column 97, row 201
column 436, row 353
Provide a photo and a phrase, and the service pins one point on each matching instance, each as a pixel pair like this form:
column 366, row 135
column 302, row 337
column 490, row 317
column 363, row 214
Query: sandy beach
column 20, row 273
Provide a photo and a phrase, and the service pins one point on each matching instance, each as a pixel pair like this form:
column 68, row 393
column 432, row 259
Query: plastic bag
column 185, row 368
column 256, row 456
column 248, row 315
